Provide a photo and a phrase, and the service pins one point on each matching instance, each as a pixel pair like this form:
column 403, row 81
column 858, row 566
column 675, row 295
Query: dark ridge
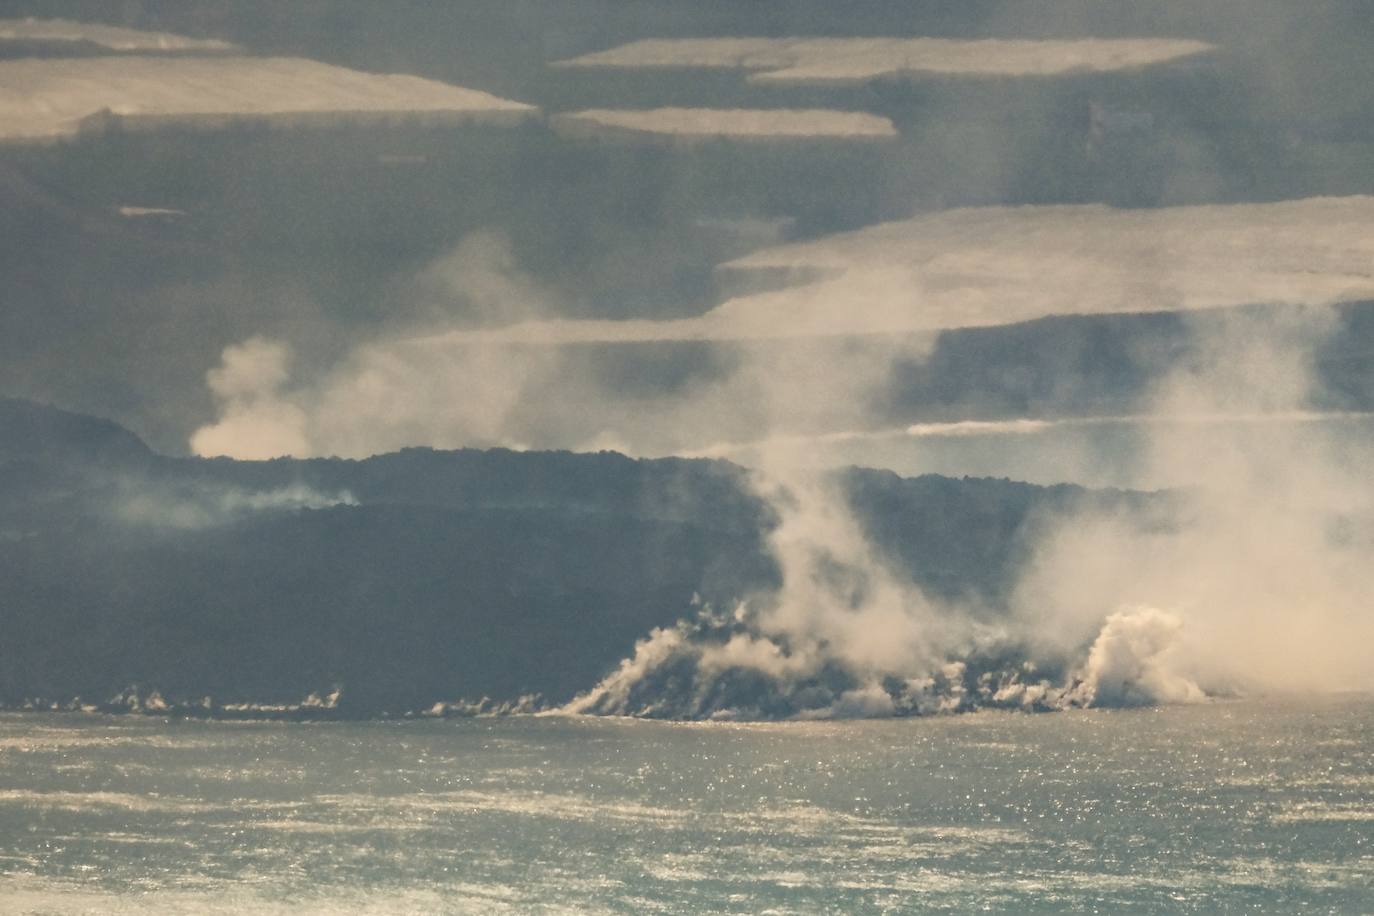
column 413, row 578
column 38, row 432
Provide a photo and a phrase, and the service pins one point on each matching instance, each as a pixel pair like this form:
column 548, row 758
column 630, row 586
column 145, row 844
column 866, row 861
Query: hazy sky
column 376, row 268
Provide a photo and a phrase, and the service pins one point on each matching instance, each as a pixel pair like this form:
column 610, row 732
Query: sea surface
column 1223, row 806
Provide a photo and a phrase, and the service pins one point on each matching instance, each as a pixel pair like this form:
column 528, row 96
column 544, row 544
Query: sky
column 538, row 263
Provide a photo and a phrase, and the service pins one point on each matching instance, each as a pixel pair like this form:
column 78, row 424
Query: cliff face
column 409, row 578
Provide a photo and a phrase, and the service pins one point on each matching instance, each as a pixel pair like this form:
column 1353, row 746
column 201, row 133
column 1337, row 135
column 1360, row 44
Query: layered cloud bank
column 696, row 125
column 987, row 266
column 997, row 265
column 109, row 37
column 851, row 61
column 50, row 98
column 1096, row 451
column 887, row 288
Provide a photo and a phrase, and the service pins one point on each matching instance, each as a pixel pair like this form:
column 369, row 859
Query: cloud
column 191, row 507
column 53, row 98
column 996, row 265
column 796, row 369
column 1264, row 562
column 687, row 125
column 1256, row 582
column 114, row 38
column 256, row 421
column 850, row 61
column 985, row 266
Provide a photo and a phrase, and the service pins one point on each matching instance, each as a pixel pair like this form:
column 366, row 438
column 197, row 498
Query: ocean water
column 1223, row 806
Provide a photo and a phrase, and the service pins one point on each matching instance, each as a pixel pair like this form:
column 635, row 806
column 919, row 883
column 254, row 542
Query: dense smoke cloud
column 1255, row 580
column 1252, row 582
column 1265, row 566
column 255, row 422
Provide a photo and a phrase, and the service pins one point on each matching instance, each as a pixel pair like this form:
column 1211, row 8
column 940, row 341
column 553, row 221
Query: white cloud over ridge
column 688, row 125
column 889, row 288
column 47, row 99
column 1093, row 451
column 111, row 37
column 850, row 61
column 998, row 265
column 985, row 266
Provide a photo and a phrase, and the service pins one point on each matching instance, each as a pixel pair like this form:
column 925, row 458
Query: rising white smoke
column 1134, row 662
column 1256, row 579
column 408, row 388
column 840, row 623
column 1265, row 561
column 256, row 419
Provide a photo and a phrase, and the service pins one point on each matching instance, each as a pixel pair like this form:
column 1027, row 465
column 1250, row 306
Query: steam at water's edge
column 1258, row 583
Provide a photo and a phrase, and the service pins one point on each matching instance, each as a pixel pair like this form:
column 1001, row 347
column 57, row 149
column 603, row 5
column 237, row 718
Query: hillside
column 410, row 578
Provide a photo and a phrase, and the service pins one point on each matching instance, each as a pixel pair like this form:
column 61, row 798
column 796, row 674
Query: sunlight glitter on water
column 1223, row 805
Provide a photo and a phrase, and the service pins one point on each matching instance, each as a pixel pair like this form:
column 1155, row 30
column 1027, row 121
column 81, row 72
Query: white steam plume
column 1258, row 582
column 195, row 506
column 1267, row 567
column 455, row 381
column 256, row 420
